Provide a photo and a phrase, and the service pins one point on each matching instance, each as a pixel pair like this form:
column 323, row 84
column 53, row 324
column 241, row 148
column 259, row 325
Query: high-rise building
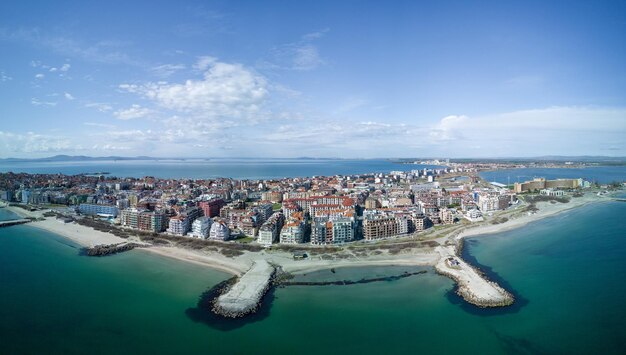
column 178, row 225
column 343, row 230
column 211, row 208
column 270, row 230
column 292, row 232
column 219, row 230
column 201, row 226
column 377, row 225
column 94, row 209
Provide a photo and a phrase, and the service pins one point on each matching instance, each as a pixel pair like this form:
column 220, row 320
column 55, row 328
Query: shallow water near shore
column 568, row 269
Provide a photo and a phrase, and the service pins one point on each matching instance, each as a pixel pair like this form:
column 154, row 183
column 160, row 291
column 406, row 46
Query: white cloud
column 100, row 106
column 204, row 63
column 349, row 105
column 109, row 52
column 306, row 57
column 300, row 55
column 315, row 35
column 4, row 77
column 133, row 112
column 449, row 128
column 39, row 76
column 65, row 67
column 68, row 96
column 226, row 91
column 33, row 143
column 549, row 131
column 167, row 70
column 99, row 125
column 109, row 147
column 36, row 102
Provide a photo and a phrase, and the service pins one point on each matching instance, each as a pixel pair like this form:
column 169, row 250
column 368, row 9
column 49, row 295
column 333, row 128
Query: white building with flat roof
column 201, row 226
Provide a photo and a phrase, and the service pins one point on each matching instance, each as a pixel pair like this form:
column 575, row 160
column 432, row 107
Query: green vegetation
column 499, row 220
column 277, row 206
column 229, row 249
column 544, row 198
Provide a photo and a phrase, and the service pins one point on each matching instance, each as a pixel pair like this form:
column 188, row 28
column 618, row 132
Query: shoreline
column 546, row 209
column 189, row 256
column 89, row 237
column 471, row 284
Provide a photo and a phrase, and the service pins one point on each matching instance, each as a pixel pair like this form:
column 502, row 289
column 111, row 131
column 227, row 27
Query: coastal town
column 252, row 228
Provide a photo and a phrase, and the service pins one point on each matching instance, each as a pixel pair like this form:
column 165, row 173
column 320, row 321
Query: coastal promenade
column 245, row 295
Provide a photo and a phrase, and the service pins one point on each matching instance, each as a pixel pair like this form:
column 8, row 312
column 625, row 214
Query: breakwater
column 110, row 249
column 245, row 295
column 472, row 285
column 14, row 222
column 350, row 282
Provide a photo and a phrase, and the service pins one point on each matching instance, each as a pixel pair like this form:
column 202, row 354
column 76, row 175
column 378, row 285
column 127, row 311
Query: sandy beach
column 237, row 266
column 22, row 212
column 546, row 209
column 84, row 236
column 475, row 285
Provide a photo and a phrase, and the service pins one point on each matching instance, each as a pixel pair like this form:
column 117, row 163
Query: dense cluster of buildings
column 538, row 184
column 316, row 210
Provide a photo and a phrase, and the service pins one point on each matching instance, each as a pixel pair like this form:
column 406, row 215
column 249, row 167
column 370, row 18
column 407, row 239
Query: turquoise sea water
column 600, row 174
column 566, row 272
column 205, row 169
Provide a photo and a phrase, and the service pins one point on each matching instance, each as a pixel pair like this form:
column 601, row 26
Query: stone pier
column 245, row 295
column 13, row 222
column 472, row 285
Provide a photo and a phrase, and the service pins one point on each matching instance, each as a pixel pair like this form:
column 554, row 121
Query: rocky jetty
column 110, row 249
column 473, row 286
column 245, row 295
column 350, row 282
column 14, row 222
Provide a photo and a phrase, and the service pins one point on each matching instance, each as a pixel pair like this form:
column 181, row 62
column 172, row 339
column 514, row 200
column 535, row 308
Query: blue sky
column 313, row 78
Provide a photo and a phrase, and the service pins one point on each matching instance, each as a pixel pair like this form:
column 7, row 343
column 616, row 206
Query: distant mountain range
column 73, row 158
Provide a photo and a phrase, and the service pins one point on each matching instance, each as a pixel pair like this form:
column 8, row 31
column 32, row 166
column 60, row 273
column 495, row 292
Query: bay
column 599, row 174
column 207, row 169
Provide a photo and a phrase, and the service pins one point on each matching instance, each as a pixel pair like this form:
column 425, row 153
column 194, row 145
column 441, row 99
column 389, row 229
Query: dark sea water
column 567, row 273
column 202, row 169
column 600, row 174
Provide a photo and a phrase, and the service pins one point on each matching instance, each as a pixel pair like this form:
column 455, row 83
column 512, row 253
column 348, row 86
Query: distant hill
column 74, row 158
column 547, row 158
column 70, row 158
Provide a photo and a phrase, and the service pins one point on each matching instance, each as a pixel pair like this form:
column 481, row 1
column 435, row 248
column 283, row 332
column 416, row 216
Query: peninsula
column 251, row 228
